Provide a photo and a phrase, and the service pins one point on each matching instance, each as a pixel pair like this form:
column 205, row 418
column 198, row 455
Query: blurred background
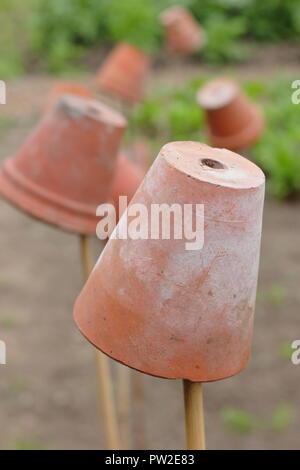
column 48, row 387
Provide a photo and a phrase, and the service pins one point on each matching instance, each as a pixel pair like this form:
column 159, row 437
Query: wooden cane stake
column 194, row 415
column 107, row 403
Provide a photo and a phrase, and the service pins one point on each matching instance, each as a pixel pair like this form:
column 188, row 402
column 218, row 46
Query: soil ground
column 48, row 387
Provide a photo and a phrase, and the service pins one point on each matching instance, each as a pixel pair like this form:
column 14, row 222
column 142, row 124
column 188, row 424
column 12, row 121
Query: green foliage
column 8, row 321
column 170, row 114
column 17, row 386
column 135, row 22
column 6, row 122
column 238, row 420
column 282, row 417
column 13, row 27
column 25, row 444
column 223, row 36
column 285, row 350
column 242, row 422
column 184, row 117
column 149, row 116
column 266, row 20
column 61, row 30
column 278, row 155
column 273, row 19
column 275, row 295
column 277, row 152
column 55, row 34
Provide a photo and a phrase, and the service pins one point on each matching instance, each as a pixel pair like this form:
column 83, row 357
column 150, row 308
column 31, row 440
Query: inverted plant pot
column 233, row 122
column 65, row 169
column 124, row 72
column 169, row 311
column 66, row 88
column 183, row 34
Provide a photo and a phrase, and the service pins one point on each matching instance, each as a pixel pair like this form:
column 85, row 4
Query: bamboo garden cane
column 106, row 395
column 194, row 415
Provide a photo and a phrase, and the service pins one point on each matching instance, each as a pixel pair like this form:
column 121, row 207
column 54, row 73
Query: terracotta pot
column 65, row 169
column 233, row 121
column 124, row 73
column 63, row 88
column 127, row 179
column 183, row 34
column 168, row 311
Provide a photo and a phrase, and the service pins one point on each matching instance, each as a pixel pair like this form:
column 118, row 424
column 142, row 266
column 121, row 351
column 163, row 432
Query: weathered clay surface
column 232, row 121
column 173, row 313
column 124, row 73
column 183, row 34
column 65, row 168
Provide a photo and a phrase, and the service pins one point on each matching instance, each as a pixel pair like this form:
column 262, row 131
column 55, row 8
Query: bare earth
column 48, row 388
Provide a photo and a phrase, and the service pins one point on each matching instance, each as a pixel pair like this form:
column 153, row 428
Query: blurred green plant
column 14, row 15
column 25, row 444
column 238, row 420
column 275, row 295
column 134, row 21
column 8, row 321
column 6, row 122
column 277, row 154
column 269, row 20
column 61, row 30
column 17, row 386
column 285, row 350
column 282, row 417
column 54, row 35
column 223, row 44
column 170, row 114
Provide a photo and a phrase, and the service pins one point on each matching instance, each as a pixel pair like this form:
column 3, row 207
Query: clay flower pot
column 183, row 34
column 233, row 121
column 127, row 179
column 168, row 311
column 65, row 169
column 124, row 72
column 63, row 88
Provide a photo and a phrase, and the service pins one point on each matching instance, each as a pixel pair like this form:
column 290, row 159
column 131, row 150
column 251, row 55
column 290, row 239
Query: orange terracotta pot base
column 65, row 169
column 174, row 313
column 233, row 121
column 123, row 74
